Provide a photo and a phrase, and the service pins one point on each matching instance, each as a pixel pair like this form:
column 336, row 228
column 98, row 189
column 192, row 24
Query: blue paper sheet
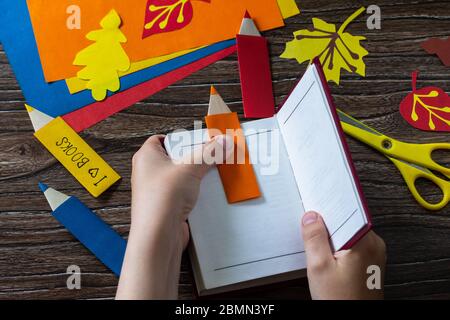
column 54, row 99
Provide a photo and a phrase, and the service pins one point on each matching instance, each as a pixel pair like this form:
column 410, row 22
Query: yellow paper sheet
column 76, row 85
column 288, row 8
column 77, row 156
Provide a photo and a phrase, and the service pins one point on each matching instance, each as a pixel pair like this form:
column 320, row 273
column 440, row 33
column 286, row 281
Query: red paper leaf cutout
column 427, row 108
column 440, row 47
column 167, row 15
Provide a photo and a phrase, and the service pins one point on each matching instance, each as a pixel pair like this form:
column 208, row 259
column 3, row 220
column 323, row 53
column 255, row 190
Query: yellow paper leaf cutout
column 336, row 49
column 104, row 59
column 76, row 84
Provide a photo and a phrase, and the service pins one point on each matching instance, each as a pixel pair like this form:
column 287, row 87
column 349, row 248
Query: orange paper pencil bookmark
column 238, row 177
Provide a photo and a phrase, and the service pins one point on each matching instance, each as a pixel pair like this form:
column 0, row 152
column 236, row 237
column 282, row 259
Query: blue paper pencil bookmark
column 105, row 243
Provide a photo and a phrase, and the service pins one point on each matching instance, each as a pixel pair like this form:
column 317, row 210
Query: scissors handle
column 411, row 173
column 420, row 154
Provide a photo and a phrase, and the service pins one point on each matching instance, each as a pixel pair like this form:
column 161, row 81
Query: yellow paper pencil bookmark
column 73, row 152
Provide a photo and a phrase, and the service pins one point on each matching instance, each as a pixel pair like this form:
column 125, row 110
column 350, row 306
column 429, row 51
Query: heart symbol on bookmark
column 94, row 172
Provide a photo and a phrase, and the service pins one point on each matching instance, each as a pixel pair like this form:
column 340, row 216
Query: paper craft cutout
column 88, row 116
column 98, row 237
column 427, row 108
column 212, row 22
column 440, row 47
column 238, row 179
column 105, row 58
column 288, row 8
column 76, row 85
column 336, row 49
column 53, row 98
column 254, row 70
column 73, row 153
column 165, row 16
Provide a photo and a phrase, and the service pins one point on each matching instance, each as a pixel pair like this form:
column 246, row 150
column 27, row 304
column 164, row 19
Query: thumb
column 216, row 151
column 315, row 238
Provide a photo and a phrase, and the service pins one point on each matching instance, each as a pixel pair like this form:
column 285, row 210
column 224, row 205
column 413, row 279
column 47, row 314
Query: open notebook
column 302, row 163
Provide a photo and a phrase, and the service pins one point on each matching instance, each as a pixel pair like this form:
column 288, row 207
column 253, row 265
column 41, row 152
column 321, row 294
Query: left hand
column 163, row 195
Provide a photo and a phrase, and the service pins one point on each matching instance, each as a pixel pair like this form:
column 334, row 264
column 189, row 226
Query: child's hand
column 344, row 274
column 163, row 195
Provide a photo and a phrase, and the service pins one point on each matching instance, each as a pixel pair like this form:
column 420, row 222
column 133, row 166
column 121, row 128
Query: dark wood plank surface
column 35, row 250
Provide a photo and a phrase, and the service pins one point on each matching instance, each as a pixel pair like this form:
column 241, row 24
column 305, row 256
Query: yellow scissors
column 413, row 160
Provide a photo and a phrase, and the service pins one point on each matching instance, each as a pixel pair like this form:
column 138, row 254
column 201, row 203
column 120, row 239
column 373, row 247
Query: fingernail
column 309, row 217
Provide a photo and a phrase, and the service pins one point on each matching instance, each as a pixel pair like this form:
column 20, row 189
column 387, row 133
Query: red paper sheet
column 88, row 116
column 256, row 77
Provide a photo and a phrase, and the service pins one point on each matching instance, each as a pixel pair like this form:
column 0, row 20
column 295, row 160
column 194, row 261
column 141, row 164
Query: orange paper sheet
column 239, row 180
column 212, row 22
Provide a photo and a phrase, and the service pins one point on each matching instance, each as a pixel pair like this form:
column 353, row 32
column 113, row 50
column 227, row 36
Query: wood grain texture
column 35, row 250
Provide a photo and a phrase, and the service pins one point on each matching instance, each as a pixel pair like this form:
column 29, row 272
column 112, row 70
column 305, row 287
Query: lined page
column 252, row 239
column 318, row 159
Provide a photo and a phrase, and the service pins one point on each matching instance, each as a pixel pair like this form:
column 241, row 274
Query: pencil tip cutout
column 29, row 109
column 248, row 27
column 216, row 103
column 54, row 198
column 38, row 118
column 43, row 186
column 247, row 15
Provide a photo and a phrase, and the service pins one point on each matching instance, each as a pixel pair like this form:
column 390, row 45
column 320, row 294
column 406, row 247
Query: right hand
column 342, row 275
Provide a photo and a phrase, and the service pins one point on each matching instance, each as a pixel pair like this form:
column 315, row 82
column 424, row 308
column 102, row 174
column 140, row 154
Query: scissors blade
column 345, row 118
column 348, row 120
column 362, row 132
column 423, row 169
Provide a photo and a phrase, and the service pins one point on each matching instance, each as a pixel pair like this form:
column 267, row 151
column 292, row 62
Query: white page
column 252, row 239
column 318, row 159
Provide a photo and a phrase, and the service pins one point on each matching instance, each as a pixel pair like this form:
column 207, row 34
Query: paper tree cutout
column 427, row 108
column 167, row 15
column 336, row 49
column 440, row 47
column 105, row 58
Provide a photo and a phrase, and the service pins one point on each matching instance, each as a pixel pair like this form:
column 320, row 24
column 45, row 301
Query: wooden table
column 35, row 250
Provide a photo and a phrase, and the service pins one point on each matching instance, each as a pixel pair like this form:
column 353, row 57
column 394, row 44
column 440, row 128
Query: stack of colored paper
column 85, row 60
